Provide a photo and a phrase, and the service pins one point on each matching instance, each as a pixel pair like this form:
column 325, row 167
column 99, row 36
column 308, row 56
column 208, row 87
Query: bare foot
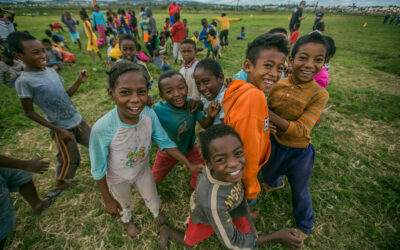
column 131, row 229
column 254, row 215
column 163, row 241
column 38, row 209
column 161, row 219
column 63, row 185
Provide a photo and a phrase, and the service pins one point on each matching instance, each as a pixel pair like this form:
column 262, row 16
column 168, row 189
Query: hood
column 148, row 11
column 235, row 90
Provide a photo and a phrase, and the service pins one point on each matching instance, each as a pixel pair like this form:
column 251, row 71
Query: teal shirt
column 179, row 124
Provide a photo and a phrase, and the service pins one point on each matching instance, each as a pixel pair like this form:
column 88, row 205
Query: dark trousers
column 297, row 164
column 223, row 37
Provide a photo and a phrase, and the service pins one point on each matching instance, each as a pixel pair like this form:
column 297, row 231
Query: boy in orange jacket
column 246, row 108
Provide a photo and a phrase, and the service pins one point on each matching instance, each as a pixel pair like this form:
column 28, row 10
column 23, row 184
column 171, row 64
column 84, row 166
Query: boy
column 178, row 35
column 246, row 108
column 320, row 27
column 295, row 105
column 43, row 87
column 225, row 22
column 6, row 25
column 188, row 51
column 52, row 36
column 73, row 32
column 92, row 39
column 218, row 204
column 53, row 56
column 15, row 176
column 203, row 35
column 10, row 69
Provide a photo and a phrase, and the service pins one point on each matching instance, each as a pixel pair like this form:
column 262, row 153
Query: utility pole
column 237, row 7
column 315, row 9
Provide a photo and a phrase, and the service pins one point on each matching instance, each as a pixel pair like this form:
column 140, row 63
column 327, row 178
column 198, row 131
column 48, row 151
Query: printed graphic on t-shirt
column 182, row 128
column 135, row 156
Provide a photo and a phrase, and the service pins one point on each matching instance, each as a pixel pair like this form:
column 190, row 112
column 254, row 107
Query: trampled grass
column 355, row 185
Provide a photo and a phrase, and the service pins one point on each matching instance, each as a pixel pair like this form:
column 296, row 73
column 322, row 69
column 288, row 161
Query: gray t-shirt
column 218, row 98
column 6, row 27
column 47, row 91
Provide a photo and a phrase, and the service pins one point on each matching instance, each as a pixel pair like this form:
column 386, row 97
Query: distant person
column 188, row 49
column 242, row 34
column 57, row 26
column 99, row 22
column 172, row 9
column 225, row 22
column 10, row 69
column 320, row 27
column 295, row 34
column 297, row 15
column 185, row 22
column 322, row 77
column 92, row 39
column 167, row 23
column 60, row 38
column 134, row 25
column 6, row 24
column 386, row 18
column 392, row 19
column 143, row 20
column 70, row 23
column 203, row 35
column 318, row 17
column 151, row 44
column 178, row 35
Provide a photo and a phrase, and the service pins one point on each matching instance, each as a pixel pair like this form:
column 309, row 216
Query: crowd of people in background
column 243, row 123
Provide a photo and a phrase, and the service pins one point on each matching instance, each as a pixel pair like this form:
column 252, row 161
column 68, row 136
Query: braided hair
column 122, row 67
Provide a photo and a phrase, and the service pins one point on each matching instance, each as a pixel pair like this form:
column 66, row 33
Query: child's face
column 226, row 159
column 128, row 49
column 308, row 61
column 130, row 95
column 68, row 15
column 204, row 23
column 207, row 83
column 34, row 55
column 196, row 34
column 47, row 46
column 267, row 70
column 174, row 91
column 188, row 52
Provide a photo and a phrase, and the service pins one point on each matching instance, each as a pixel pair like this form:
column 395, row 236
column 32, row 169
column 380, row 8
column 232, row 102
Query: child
column 7, row 24
column 195, row 37
column 225, row 22
column 129, row 47
column 185, row 22
column 246, row 108
column 44, row 87
column 57, row 26
column 92, row 39
column 67, row 57
column 53, row 56
column 120, row 145
column 160, row 61
column 141, row 55
column 209, row 79
column 61, row 38
column 218, row 204
column 124, row 21
column 117, row 24
column 295, row 105
column 70, row 23
column 203, row 35
column 99, row 22
column 213, row 40
column 168, row 44
column 188, row 50
column 242, row 34
column 143, row 21
column 112, row 43
column 10, row 69
column 16, row 176
column 178, row 35
column 295, row 34
column 166, row 24
column 320, row 27
column 322, row 77
column 179, row 123
column 134, row 26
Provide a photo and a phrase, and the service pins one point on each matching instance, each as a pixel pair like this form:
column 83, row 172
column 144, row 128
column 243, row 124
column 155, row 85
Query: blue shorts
column 74, row 36
column 10, row 181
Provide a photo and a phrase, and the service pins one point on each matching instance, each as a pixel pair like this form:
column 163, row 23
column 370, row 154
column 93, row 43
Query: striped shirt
column 301, row 105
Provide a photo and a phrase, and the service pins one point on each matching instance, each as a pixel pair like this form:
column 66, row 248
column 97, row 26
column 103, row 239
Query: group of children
column 259, row 122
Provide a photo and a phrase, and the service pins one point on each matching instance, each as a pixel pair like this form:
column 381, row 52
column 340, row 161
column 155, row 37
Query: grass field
column 355, row 186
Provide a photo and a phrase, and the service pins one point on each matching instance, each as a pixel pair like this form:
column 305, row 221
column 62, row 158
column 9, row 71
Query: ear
column 221, row 77
column 291, row 59
column 207, row 164
column 110, row 93
column 247, row 66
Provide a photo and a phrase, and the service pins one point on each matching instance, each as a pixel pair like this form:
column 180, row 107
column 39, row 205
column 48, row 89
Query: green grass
column 355, row 185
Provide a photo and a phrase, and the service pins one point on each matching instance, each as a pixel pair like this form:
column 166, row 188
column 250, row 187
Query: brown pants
column 68, row 157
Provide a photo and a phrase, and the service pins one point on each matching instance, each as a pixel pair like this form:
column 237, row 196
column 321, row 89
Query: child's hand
column 113, row 207
column 213, row 109
column 65, row 134
column 83, row 75
column 150, row 100
column 272, row 127
column 193, row 105
column 37, row 166
column 196, row 167
column 285, row 237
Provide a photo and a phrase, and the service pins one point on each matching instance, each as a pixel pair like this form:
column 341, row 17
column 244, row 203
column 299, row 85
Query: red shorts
column 197, row 233
column 165, row 162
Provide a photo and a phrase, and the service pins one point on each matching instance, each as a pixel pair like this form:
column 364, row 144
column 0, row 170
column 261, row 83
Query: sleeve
column 234, row 20
column 99, row 144
column 173, row 30
column 302, row 126
column 203, row 34
column 23, row 88
column 159, row 134
column 94, row 19
column 198, row 114
column 222, row 223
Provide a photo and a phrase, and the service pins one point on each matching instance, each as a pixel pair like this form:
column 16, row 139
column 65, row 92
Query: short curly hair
column 15, row 39
column 266, row 41
column 122, row 67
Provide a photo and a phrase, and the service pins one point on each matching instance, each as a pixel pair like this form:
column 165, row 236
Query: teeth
column 234, row 173
column 134, row 109
column 269, row 82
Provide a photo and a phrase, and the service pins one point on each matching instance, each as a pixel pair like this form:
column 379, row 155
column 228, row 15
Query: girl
column 120, row 145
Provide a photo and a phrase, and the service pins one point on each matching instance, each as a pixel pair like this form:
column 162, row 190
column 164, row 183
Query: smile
column 236, row 173
column 134, row 111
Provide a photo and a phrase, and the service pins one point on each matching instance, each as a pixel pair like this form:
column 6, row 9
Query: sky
column 320, row 2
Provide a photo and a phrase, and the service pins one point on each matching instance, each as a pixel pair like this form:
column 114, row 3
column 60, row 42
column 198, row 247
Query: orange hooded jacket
column 246, row 110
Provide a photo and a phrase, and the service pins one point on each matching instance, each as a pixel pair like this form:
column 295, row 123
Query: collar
column 303, row 85
column 215, row 181
column 189, row 65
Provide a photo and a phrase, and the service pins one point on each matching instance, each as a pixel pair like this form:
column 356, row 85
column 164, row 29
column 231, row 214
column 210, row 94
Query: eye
column 142, row 91
column 124, row 92
column 302, row 58
column 319, row 60
column 281, row 68
column 239, row 153
column 268, row 65
column 220, row 159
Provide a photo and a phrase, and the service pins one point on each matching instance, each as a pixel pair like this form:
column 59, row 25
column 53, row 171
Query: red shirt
column 293, row 37
column 173, row 8
column 178, row 32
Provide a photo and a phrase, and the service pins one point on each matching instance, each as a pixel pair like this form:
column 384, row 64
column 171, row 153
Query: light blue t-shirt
column 218, row 98
column 47, row 92
column 111, row 139
column 98, row 19
column 179, row 124
column 242, row 75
